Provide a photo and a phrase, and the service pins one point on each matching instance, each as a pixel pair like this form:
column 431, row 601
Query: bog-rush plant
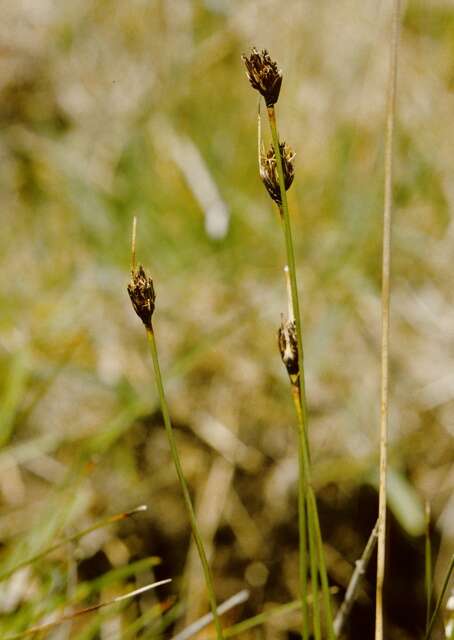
column 276, row 170
column 143, row 297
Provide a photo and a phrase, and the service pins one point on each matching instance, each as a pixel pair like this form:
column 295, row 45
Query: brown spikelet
column 288, row 347
column 269, row 173
column 264, row 75
column 141, row 292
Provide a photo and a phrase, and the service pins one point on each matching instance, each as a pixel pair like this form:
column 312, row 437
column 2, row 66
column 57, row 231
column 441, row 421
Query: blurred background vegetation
column 111, row 109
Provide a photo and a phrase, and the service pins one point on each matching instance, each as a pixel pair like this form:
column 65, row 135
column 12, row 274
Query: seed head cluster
column 141, row 292
column 264, row 75
column 288, row 347
column 269, row 173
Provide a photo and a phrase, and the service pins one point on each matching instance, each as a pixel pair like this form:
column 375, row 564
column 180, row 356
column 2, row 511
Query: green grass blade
column 12, row 394
column 70, row 539
column 440, row 598
column 428, row 566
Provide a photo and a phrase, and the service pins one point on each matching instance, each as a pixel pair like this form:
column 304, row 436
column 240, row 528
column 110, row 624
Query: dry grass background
column 109, row 109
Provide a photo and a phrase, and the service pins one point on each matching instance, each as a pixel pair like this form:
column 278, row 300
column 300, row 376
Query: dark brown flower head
column 288, row 346
column 142, row 295
column 269, row 173
column 264, row 75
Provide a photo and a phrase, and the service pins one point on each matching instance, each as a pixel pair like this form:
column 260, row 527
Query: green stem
column 314, row 522
column 183, row 484
column 300, row 397
column 314, row 576
column 302, row 519
column 302, row 525
column 428, row 566
column 285, row 217
column 303, row 444
column 440, row 598
column 322, row 566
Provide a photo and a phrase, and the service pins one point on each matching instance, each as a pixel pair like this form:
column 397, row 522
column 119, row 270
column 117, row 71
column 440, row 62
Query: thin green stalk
column 314, row 576
column 428, row 566
column 81, row 612
column 302, row 524
column 313, row 521
column 300, row 398
column 303, row 442
column 440, row 598
column 386, row 294
column 290, row 259
column 184, row 487
column 322, row 566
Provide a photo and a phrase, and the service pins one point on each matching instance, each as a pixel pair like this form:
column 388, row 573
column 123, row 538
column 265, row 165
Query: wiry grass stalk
column 444, row 588
column 386, row 290
column 428, row 565
column 304, row 479
column 71, row 539
column 141, row 292
column 285, row 218
column 355, row 582
column 313, row 521
column 314, row 575
column 303, row 518
column 299, row 397
column 184, row 487
column 33, row 631
column 322, row 566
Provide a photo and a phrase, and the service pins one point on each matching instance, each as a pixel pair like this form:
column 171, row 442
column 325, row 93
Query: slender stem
column 81, row 612
column 386, row 277
column 314, row 575
column 321, row 563
column 355, row 581
column 428, row 566
column 302, row 523
column 313, row 521
column 301, row 402
column 440, row 598
column 285, row 217
column 183, row 484
column 303, row 444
